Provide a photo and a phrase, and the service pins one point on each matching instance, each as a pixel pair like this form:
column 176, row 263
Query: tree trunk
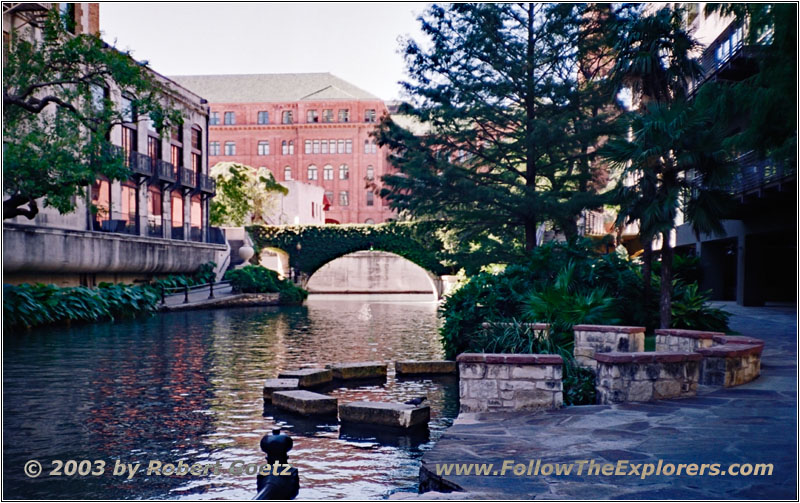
column 530, row 235
column 647, row 271
column 530, row 113
column 666, row 280
column 13, row 207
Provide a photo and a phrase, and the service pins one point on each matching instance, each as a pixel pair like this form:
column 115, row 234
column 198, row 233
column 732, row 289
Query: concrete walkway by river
column 753, row 423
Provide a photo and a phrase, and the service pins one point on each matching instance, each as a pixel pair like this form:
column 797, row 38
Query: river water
column 188, row 387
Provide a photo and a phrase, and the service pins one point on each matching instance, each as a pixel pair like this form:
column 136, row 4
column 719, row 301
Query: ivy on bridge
column 319, row 244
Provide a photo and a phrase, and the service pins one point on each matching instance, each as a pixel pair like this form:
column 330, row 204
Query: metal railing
column 187, row 178
column 140, row 164
column 206, row 183
column 751, row 173
column 185, row 290
column 165, row 171
column 593, row 223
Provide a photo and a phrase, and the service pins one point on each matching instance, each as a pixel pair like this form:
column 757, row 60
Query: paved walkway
column 753, row 423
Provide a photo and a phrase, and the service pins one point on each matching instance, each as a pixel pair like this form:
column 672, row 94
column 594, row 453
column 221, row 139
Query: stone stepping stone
column 308, row 378
column 273, row 385
column 358, row 370
column 304, row 402
column 411, row 367
column 397, row 415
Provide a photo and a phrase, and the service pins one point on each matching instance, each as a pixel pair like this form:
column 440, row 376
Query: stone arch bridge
column 304, row 249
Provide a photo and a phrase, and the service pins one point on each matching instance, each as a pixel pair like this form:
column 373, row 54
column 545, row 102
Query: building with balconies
column 755, row 262
column 311, row 127
column 155, row 222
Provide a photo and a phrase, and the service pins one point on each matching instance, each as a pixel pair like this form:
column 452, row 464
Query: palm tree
column 654, row 61
column 674, row 149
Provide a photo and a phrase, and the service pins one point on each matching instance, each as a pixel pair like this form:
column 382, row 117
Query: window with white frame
column 263, row 147
column 263, row 117
column 287, row 173
column 344, row 198
column 312, row 172
column 344, row 172
column 213, row 148
column 230, row 148
column 327, row 172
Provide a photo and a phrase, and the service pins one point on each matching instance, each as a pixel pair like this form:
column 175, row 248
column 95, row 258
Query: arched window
column 284, row 148
column 327, row 172
column 370, row 173
column 344, row 172
column 287, row 173
column 369, row 221
column 291, row 147
column 312, row 172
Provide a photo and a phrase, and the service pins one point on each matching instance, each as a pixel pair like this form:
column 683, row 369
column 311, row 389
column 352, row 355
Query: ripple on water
column 187, row 386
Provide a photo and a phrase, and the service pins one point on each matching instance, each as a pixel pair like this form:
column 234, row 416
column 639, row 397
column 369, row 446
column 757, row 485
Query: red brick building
column 311, row 127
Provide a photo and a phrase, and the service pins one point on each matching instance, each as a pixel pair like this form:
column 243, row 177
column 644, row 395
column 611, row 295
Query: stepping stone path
column 396, row 415
column 412, row 367
column 304, row 402
column 361, row 370
column 273, row 385
column 308, row 378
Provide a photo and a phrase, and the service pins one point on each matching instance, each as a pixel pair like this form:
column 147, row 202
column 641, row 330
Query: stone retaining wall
column 503, row 382
column 674, row 339
column 641, row 377
column 593, row 339
column 730, row 364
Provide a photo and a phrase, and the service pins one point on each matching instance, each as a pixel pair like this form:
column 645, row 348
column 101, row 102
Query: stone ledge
column 731, row 350
column 608, row 328
column 690, row 334
column 647, row 357
column 422, row 367
column 737, row 339
column 512, row 359
column 533, row 326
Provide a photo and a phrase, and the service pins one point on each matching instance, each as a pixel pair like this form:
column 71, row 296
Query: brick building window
column 312, row 172
column 370, row 173
column 312, row 116
column 230, row 148
column 344, row 198
column 370, row 198
column 324, row 146
column 213, row 119
column 263, row 117
column 348, row 147
column 316, row 146
column 341, row 146
column 263, row 147
column 369, row 221
column 327, row 115
column 333, row 146
column 344, row 115
column 287, row 117
column 291, row 147
column 307, row 147
column 344, row 172
column 287, row 147
column 369, row 115
column 287, row 173
column 230, row 118
column 329, row 196
column 327, row 172
column 370, row 147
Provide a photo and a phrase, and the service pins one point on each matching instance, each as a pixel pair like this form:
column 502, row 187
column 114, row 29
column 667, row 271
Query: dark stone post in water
column 283, row 481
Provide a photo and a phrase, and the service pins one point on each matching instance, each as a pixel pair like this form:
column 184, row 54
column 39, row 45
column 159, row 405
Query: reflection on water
column 187, row 386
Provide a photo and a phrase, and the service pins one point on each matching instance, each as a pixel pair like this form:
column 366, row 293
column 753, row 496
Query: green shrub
column 26, row 306
column 259, row 279
column 691, row 310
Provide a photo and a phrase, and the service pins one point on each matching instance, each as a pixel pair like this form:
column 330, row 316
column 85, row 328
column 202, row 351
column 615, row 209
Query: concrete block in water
column 425, row 367
column 308, row 378
column 358, row 370
column 396, row 415
column 273, row 385
column 304, row 402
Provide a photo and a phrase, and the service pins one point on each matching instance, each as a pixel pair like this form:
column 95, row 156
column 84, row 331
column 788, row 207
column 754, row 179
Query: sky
column 358, row 42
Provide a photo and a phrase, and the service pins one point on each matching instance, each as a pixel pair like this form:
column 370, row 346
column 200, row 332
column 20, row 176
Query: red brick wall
column 247, row 133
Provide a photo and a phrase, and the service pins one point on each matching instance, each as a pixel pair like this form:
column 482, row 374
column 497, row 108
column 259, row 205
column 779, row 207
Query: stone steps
column 359, row 370
column 305, row 402
column 395, row 415
column 415, row 368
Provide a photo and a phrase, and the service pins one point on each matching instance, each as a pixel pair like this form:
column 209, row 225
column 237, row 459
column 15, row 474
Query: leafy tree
column 767, row 97
column 511, row 116
column 58, row 113
column 244, row 196
column 654, row 61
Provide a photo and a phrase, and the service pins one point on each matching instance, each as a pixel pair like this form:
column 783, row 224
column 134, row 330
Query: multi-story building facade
column 152, row 223
column 311, row 127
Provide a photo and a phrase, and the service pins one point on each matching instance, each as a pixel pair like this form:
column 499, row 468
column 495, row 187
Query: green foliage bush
column 26, row 306
column 259, row 279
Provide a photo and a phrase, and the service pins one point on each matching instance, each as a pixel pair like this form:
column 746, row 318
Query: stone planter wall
column 730, row 364
column 674, row 339
column 641, row 377
column 593, row 339
column 504, row 382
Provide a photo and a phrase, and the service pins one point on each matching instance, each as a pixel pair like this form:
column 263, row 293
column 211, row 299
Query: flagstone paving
column 753, row 423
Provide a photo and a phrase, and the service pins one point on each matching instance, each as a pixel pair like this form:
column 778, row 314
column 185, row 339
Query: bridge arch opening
column 373, row 272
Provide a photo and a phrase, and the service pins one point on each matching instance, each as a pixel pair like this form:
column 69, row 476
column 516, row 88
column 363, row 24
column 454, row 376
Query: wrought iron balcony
column 749, row 173
column 165, row 171
column 140, row 164
column 206, row 184
column 728, row 57
column 187, row 178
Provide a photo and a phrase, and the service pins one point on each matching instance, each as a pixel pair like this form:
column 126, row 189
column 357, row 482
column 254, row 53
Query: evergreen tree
column 512, row 111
